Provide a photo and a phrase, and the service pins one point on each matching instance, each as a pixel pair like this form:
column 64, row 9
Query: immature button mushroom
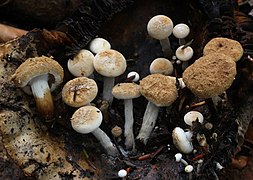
column 99, row 44
column 161, row 66
column 82, row 64
column 192, row 116
column 184, row 53
column 42, row 74
column 122, row 173
column 127, row 91
column 210, row 75
column 79, row 91
column 134, row 75
column 179, row 158
column 160, row 27
column 181, row 31
column 181, row 141
column 225, row 46
column 160, row 91
column 87, row 119
column 110, row 64
column 188, row 168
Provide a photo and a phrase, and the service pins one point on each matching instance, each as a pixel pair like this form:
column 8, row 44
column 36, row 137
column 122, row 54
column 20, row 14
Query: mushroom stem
column 129, row 121
column 105, row 141
column 107, row 89
column 149, row 121
column 165, row 43
column 42, row 95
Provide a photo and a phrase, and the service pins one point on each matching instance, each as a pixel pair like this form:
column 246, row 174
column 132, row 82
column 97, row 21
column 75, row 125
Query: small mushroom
column 99, row 44
column 192, row 116
column 116, row 131
column 160, row 91
column 181, row 31
column 160, row 27
column 42, row 75
column 87, row 119
column 122, row 173
column 179, row 158
column 79, row 91
column 127, row 92
column 188, row 168
column 184, row 54
column 82, row 64
column 161, row 66
column 110, row 64
column 134, row 76
column 181, row 142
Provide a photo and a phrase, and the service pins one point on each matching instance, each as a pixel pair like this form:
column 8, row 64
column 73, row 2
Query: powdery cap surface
column 86, row 119
column 126, row 91
column 181, row 30
column 161, row 66
column 210, row 75
column 79, row 91
column 99, row 44
column 159, row 89
column 225, row 46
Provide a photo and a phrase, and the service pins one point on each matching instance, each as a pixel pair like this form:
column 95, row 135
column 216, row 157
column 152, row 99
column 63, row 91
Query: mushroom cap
column 184, row 54
column 37, row 66
column 126, row 91
column 178, row 157
column 159, row 89
column 122, row 173
column 192, row 116
column 188, row 168
column 210, row 75
column 225, row 46
column 82, row 64
column 99, row 44
column 161, row 66
column 79, row 91
column 135, row 74
column 86, row 119
column 181, row 30
column 110, row 63
column 180, row 141
column 160, row 27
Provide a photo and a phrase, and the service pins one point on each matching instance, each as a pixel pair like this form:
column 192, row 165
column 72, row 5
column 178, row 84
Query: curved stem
column 129, row 121
column 165, row 43
column 107, row 89
column 148, row 123
column 105, row 141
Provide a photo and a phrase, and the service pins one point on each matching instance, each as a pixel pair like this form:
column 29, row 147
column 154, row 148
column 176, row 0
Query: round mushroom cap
column 210, row 75
column 82, row 64
column 159, row 89
column 160, row 27
column 181, row 31
column 126, row 91
column 110, row 63
column 86, row 119
column 193, row 116
column 184, row 54
column 188, row 168
column 180, row 141
column 161, row 66
column 99, row 44
column 79, row 91
column 135, row 76
column 37, row 66
column 225, row 46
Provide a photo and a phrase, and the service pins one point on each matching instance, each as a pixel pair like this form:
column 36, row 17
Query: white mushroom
column 127, row 92
column 160, row 27
column 122, row 173
column 193, row 116
column 87, row 119
column 110, row 64
column 181, row 141
column 179, row 158
column 99, row 44
column 133, row 75
column 181, row 31
column 184, row 54
column 188, row 168
column 161, row 66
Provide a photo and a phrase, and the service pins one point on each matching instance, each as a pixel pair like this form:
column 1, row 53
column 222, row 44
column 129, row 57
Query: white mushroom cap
column 79, row 91
column 160, row 27
column 161, row 66
column 122, row 173
column 188, row 168
column 184, row 54
column 110, row 63
column 181, row 30
column 99, row 44
column 135, row 74
column 86, row 119
column 82, row 64
column 192, row 116
column 178, row 157
column 126, row 91
column 180, row 141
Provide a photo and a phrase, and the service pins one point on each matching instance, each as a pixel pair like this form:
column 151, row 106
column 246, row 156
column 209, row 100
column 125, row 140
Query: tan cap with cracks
column 126, row 91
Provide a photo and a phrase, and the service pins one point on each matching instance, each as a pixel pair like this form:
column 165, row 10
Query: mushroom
column 42, row 74
column 188, row 168
column 160, row 27
column 87, row 119
column 127, row 91
column 82, row 64
column 134, row 76
column 160, row 91
column 181, row 31
column 79, row 91
column 181, row 141
column 99, row 44
column 122, row 173
column 179, row 158
column 192, row 116
column 184, row 53
column 161, row 66
column 110, row 64
column 225, row 46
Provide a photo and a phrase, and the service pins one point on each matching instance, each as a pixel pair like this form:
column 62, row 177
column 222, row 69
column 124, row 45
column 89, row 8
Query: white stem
column 129, row 121
column 165, row 43
column 105, row 141
column 184, row 162
column 148, row 122
column 107, row 89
